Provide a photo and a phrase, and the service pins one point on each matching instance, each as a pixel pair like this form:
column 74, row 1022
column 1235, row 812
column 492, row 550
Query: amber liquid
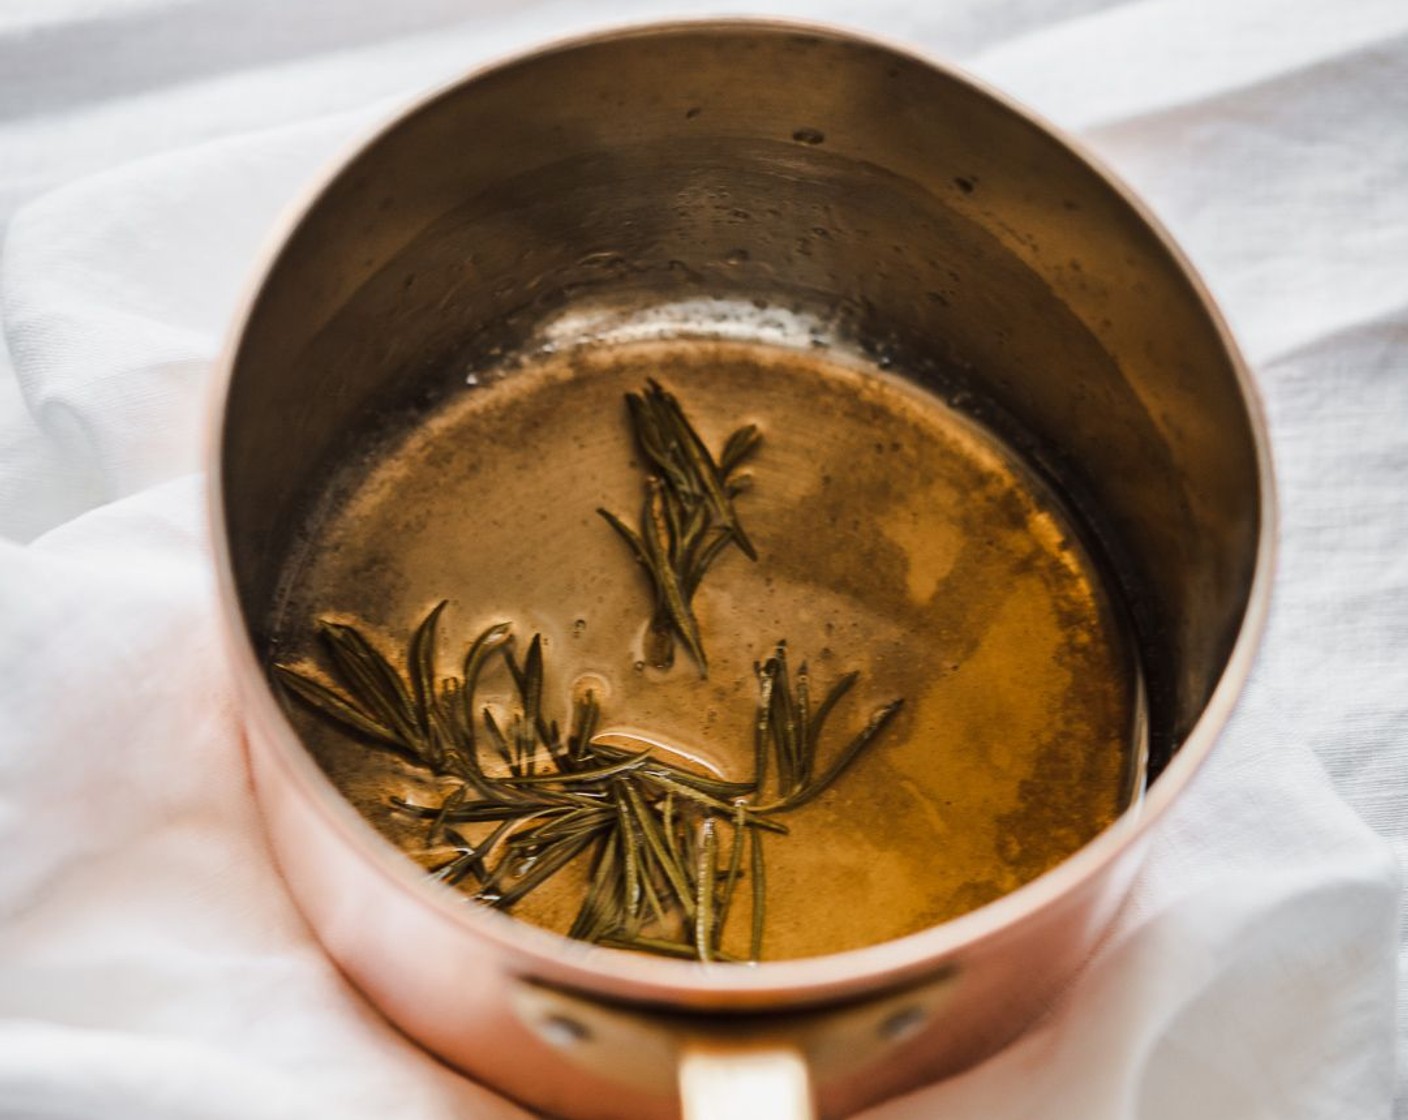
column 895, row 537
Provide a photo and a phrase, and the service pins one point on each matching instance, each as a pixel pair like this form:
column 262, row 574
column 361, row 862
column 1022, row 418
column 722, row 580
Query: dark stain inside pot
column 895, row 538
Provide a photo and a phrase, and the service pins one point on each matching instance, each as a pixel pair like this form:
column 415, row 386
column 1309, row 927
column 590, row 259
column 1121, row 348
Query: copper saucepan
column 1068, row 316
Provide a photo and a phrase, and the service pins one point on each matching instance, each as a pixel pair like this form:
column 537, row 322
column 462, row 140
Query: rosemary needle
column 688, row 517
column 652, row 828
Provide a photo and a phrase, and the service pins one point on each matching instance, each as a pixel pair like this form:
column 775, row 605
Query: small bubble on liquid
column 591, row 684
column 579, row 627
column 809, row 136
column 471, row 378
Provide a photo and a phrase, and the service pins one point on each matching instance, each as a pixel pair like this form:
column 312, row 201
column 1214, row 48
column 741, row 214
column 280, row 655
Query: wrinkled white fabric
column 151, row 964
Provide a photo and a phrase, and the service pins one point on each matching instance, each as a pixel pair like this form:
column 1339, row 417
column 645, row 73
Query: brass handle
column 731, row 1066
column 744, row 1080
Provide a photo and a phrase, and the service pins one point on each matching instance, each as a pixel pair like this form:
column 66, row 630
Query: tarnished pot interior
column 916, row 217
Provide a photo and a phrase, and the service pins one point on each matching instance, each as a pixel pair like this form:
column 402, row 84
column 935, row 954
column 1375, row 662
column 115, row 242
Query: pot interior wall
column 911, row 216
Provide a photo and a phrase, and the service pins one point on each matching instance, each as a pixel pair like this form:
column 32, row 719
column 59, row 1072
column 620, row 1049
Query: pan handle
column 731, row 1066
column 744, row 1080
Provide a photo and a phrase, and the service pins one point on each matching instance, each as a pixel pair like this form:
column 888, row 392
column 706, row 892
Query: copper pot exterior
column 453, row 992
column 963, row 241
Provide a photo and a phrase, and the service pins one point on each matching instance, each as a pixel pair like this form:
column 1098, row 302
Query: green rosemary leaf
column 420, row 660
column 655, row 442
column 755, row 852
column 652, row 897
column 762, row 724
column 668, row 862
column 473, row 856
column 592, row 920
column 655, row 536
column 706, row 883
column 375, row 684
column 545, row 865
column 630, row 857
column 660, row 636
column 688, row 495
column 585, row 714
column 489, row 641
column 579, row 821
column 689, row 851
column 516, row 860
column 454, row 801
column 559, row 748
column 634, row 762
column 739, row 446
column 670, row 784
column 877, row 724
column 339, row 708
column 703, row 469
column 701, row 560
column 805, row 743
column 533, row 681
column 475, row 812
column 525, row 746
column 461, row 750
column 692, row 531
column 528, row 682
column 453, row 728
column 454, row 872
column 500, row 742
column 784, row 722
column 818, row 721
column 667, row 816
column 558, row 824
column 672, row 518
column 606, row 749
column 735, row 867
column 631, row 537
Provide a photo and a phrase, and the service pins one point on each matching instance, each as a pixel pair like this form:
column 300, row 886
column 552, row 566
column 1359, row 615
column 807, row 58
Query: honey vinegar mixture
column 737, row 561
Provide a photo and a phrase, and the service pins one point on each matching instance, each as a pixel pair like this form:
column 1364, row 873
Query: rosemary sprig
column 655, row 833
column 786, row 723
column 687, row 519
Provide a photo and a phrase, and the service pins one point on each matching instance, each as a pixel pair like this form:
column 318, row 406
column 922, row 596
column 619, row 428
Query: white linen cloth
column 151, row 964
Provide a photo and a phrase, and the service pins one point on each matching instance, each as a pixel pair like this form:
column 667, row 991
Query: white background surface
column 150, row 964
